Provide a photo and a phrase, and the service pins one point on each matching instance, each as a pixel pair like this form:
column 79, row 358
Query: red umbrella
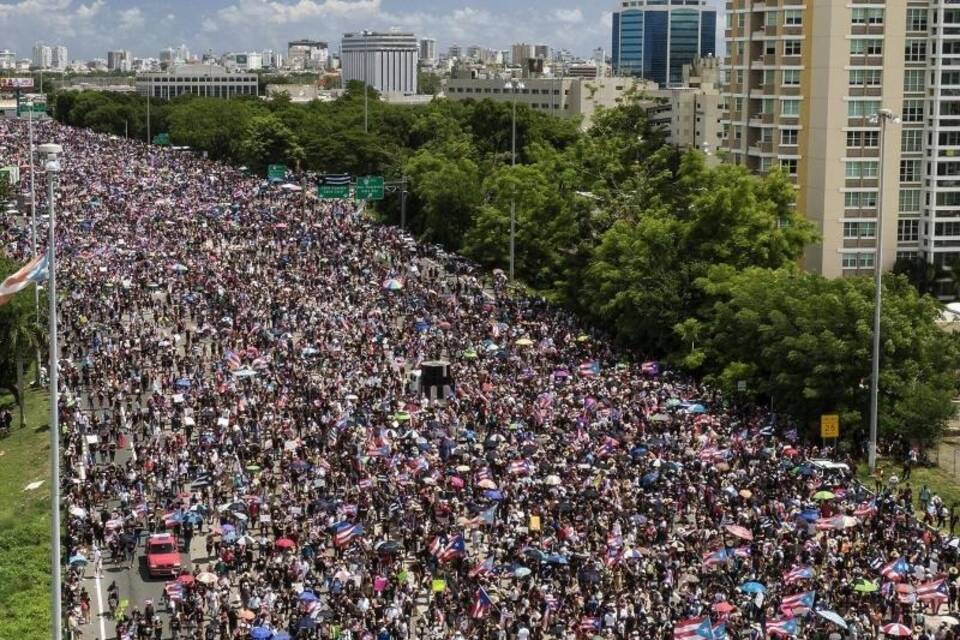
column 790, row 452
column 286, row 543
column 896, row 629
column 740, row 532
column 723, row 607
column 185, row 579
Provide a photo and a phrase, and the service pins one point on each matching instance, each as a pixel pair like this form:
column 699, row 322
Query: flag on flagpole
column 484, row 568
column 345, row 532
column 895, row 570
column 784, row 627
column 800, row 602
column 33, row 272
column 481, row 604
column 796, row 574
column 456, row 548
column 933, row 590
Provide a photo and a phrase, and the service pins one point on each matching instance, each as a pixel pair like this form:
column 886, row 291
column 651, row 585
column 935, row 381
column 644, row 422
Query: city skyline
column 89, row 28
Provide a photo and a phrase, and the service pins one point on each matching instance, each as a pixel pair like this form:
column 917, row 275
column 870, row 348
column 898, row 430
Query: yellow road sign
column 830, row 426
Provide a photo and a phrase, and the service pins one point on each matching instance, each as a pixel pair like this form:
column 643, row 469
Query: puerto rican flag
column 784, row 627
column 613, row 557
column 456, row 548
column 520, row 468
column 715, row 558
column 797, row 574
column 34, row 271
column 484, row 474
column 345, row 532
column 741, row 552
column 651, row 368
column 590, row 624
column 550, row 604
column 590, row 368
column 481, row 604
column 232, row 360
column 866, row 509
column 798, row 603
column 693, row 629
column 895, row 570
column 933, row 590
column 482, row 569
column 720, row 631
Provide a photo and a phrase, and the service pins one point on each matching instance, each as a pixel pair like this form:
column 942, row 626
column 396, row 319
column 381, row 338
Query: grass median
column 25, row 523
column 937, row 480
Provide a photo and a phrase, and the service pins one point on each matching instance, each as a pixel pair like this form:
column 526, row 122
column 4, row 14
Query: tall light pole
column 149, row 95
column 882, row 117
column 52, row 166
column 366, row 112
column 515, row 86
column 33, row 228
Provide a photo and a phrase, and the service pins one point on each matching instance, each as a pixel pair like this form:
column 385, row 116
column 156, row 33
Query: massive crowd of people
column 237, row 368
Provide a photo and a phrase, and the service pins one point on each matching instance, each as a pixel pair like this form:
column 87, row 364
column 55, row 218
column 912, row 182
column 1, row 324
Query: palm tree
column 24, row 339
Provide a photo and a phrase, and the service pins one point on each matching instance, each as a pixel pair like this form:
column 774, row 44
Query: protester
column 236, row 369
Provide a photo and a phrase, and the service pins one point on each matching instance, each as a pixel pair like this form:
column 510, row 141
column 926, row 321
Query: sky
column 90, row 27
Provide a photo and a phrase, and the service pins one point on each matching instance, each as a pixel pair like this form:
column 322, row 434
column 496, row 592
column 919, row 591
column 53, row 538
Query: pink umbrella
column 723, row 607
column 285, row 543
column 896, row 629
column 740, row 532
column 456, row 481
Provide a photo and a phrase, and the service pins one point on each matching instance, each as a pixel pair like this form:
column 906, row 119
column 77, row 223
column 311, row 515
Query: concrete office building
column 8, row 59
column 307, row 54
column 803, row 80
column 386, row 61
column 42, row 56
column 199, row 80
column 58, row 57
column 563, row 97
column 692, row 115
column 520, row 53
column 655, row 38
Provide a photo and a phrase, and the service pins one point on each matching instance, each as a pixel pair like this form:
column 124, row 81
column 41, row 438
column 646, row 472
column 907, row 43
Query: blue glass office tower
column 655, row 38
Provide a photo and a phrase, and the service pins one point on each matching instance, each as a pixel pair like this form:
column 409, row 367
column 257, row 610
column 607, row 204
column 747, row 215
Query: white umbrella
column 832, row 617
column 552, row 481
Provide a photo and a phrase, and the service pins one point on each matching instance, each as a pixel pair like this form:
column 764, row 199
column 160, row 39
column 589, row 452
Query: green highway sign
column 38, row 107
column 333, row 191
column 276, row 171
column 162, row 139
column 369, row 188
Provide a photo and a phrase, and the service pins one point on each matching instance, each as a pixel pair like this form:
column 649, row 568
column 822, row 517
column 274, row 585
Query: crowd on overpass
column 235, row 370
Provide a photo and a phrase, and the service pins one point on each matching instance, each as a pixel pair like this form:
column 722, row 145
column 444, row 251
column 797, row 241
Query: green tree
column 805, row 342
column 212, row 125
column 266, row 140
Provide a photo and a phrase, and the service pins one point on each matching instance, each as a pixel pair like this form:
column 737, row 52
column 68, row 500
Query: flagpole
column 52, row 167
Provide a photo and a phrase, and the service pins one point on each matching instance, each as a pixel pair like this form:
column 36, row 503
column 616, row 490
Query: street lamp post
column 515, row 86
column 52, row 166
column 33, row 228
column 882, row 117
column 366, row 111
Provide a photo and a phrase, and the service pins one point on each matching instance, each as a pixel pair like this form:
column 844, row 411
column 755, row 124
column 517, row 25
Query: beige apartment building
column 804, row 77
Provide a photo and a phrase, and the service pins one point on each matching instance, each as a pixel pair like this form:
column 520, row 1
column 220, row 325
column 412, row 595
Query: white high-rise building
column 42, row 56
column 59, row 59
column 386, row 61
column 8, row 59
column 428, row 51
column 119, row 60
column 182, row 54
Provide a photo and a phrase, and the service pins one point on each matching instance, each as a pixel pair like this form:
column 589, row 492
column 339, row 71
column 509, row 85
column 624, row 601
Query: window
column 866, row 77
column 791, row 77
column 769, row 76
column 860, row 200
column 910, row 200
column 770, row 19
column 910, row 171
column 908, row 230
column 857, row 260
column 947, row 228
column 917, row 20
column 849, row 260
column 793, row 17
column 790, row 107
column 913, row 80
column 788, row 137
column 765, row 164
column 791, row 47
column 859, row 230
column 867, row 16
column 915, row 51
column 866, row 47
column 913, row 110
column 766, row 105
column 867, row 139
column 862, row 108
column 911, row 140
column 862, row 169
column 789, row 166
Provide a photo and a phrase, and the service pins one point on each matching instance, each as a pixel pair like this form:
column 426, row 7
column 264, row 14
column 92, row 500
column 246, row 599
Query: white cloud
column 569, row 16
column 209, row 25
column 132, row 19
column 278, row 13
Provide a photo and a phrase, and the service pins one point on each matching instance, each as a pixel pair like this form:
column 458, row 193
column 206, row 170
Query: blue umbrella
column 638, row 452
column 193, row 517
column 308, row 596
column 281, row 635
column 810, row 515
column 307, row 623
column 184, row 383
column 260, row 633
column 493, row 494
column 78, row 560
column 753, row 587
column 230, row 537
column 650, row 478
column 556, row 558
column 696, row 408
column 832, row 617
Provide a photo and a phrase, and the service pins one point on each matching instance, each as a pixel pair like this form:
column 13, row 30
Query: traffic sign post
column 276, row 171
column 829, row 426
column 25, row 107
column 333, row 191
column 162, row 139
column 369, row 188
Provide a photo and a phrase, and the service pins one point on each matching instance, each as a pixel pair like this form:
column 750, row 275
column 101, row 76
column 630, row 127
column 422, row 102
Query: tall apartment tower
column 654, row 39
column 804, row 78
